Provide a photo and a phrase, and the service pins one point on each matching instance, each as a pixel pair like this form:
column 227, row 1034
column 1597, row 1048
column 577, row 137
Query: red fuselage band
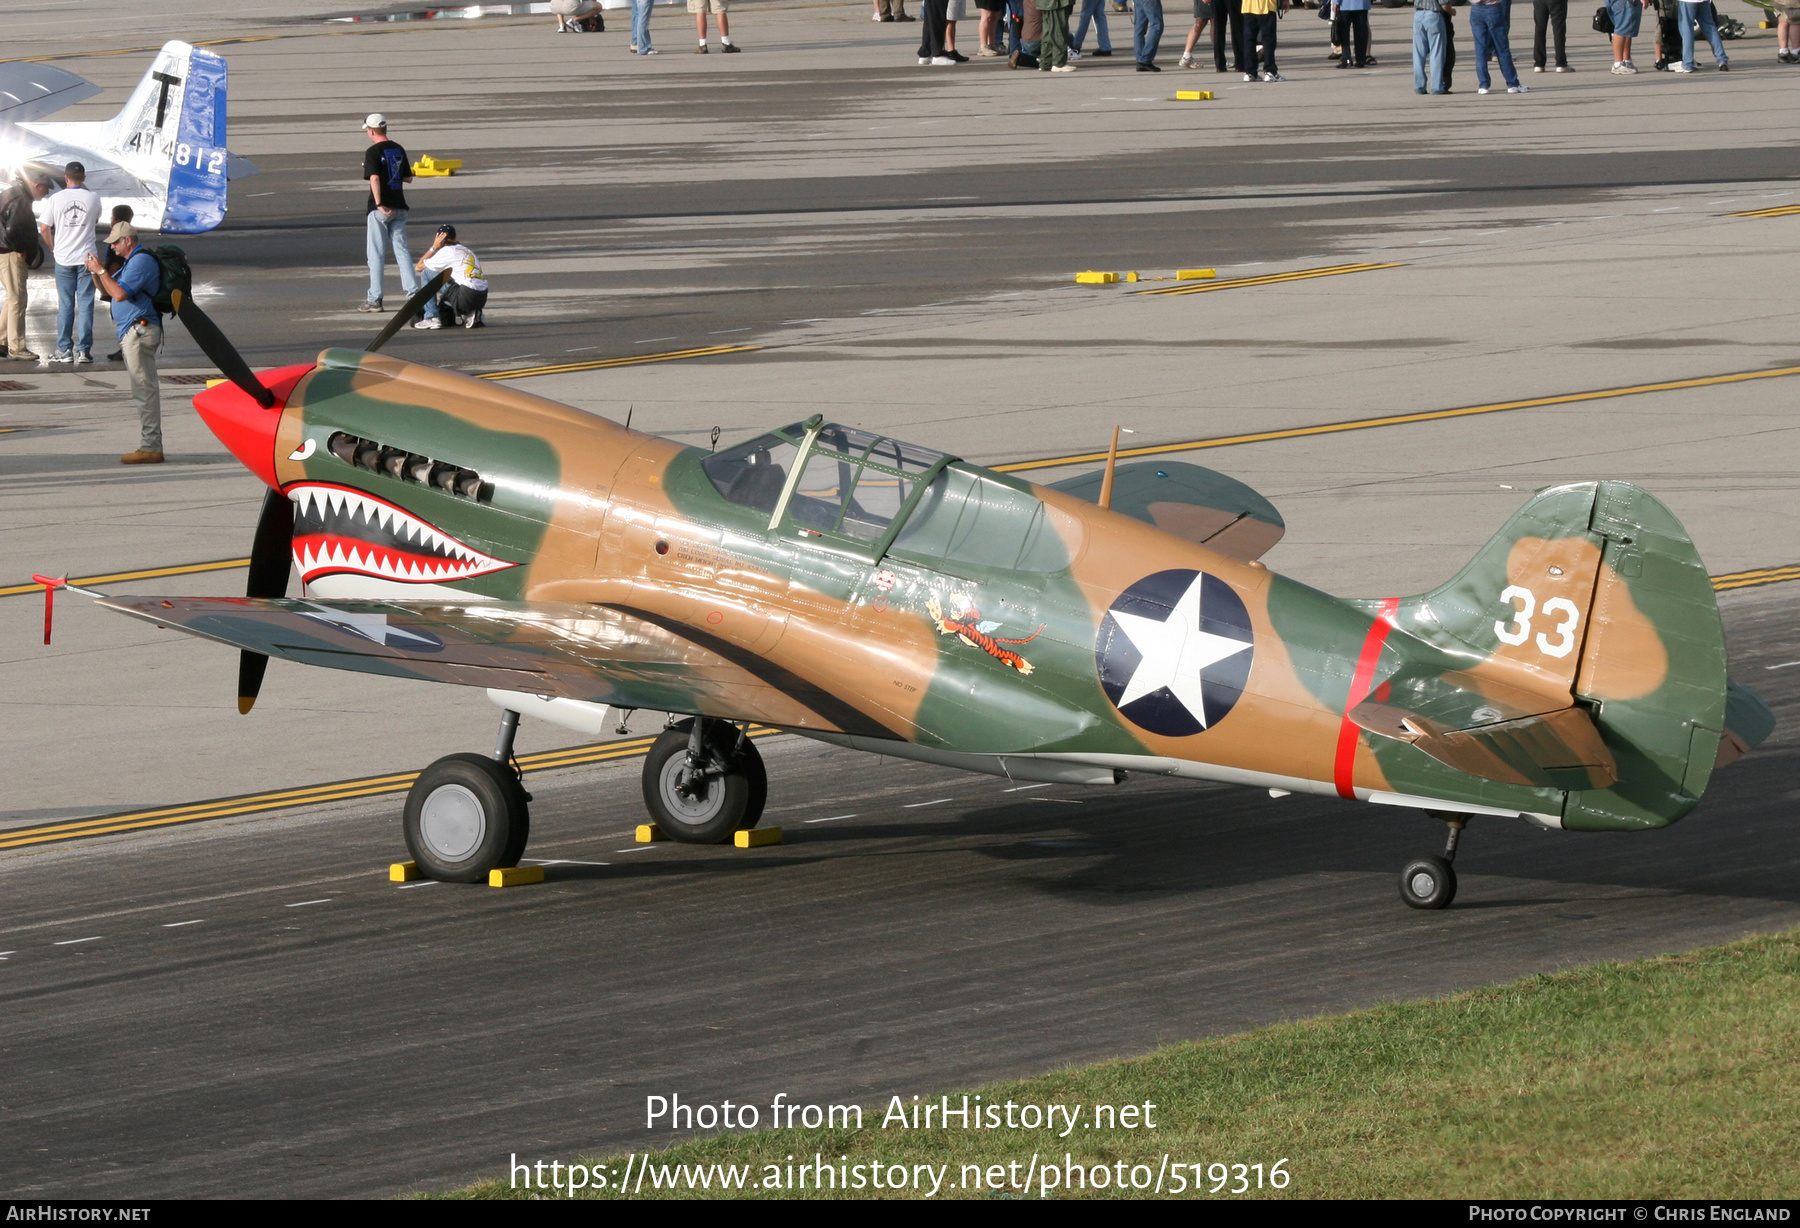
column 1344, row 769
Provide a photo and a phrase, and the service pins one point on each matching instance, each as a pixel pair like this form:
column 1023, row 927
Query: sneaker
column 924, row 59
column 1074, row 54
column 1564, row 68
column 474, row 320
column 1620, row 70
column 1679, row 67
column 1345, row 63
column 116, row 356
column 1482, row 90
column 942, row 61
column 428, row 322
column 1518, row 89
column 1724, row 65
column 634, row 49
column 1537, row 68
column 1186, row 61
column 1063, row 68
column 988, row 52
column 23, row 356
column 956, row 57
column 1630, row 67
column 1662, row 65
column 82, row 356
column 1249, row 76
column 648, row 51
column 1273, row 77
column 700, row 50
column 729, row 48
column 65, row 356
column 1148, row 68
column 370, row 305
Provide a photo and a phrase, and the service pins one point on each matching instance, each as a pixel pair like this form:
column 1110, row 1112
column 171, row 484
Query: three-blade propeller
column 271, row 551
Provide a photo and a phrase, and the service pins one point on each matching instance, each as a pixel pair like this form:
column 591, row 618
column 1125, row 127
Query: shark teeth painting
column 338, row 530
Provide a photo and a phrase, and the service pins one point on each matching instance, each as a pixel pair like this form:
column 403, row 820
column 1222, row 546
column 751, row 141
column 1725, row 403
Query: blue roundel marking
column 1174, row 652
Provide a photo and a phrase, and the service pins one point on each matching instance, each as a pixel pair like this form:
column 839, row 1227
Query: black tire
column 729, row 799
column 465, row 815
column 1428, row 882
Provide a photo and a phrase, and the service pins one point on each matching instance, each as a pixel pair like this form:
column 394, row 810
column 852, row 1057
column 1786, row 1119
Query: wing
column 1199, row 504
column 32, row 91
column 583, row 652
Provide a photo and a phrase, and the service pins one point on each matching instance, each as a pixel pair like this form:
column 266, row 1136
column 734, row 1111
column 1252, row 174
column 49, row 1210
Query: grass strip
column 1671, row 1077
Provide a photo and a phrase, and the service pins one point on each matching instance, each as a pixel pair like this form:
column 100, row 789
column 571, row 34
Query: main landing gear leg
column 468, row 814
column 1430, row 882
column 703, row 781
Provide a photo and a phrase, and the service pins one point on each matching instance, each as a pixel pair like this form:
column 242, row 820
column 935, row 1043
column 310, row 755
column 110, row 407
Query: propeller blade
column 269, row 554
column 224, row 355
column 411, row 310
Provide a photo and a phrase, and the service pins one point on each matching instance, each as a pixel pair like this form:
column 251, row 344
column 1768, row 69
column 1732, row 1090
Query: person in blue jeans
column 1094, row 11
column 387, row 170
column 1146, row 33
column 1430, row 42
column 640, row 27
column 1488, row 21
column 1690, row 13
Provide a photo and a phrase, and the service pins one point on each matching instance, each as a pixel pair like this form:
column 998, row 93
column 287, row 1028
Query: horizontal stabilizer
column 1559, row 750
column 1189, row 501
column 1748, row 722
column 32, row 91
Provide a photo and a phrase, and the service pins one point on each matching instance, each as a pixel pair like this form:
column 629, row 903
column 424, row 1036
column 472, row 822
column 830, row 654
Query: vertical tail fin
column 172, row 132
column 1593, row 591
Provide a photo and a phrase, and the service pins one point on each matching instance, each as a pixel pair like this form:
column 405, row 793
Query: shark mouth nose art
column 338, row 530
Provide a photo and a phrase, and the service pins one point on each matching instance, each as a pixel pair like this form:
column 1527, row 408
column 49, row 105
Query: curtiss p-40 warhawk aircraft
column 163, row 154
column 887, row 597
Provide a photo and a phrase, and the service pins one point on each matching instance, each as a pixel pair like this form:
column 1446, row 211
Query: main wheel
column 725, row 796
column 1428, row 882
column 465, row 815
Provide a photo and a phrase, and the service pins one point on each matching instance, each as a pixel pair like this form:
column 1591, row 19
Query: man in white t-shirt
column 466, row 291
column 69, row 220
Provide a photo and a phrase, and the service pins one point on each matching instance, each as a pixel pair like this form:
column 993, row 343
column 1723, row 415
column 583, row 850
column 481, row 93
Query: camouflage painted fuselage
column 992, row 623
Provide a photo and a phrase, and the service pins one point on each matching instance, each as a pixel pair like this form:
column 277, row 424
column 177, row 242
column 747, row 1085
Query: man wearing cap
column 68, row 229
column 140, row 332
column 467, row 292
column 388, row 171
column 19, row 250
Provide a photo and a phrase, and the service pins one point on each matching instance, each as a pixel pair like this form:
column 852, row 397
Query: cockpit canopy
column 855, row 483
column 877, row 494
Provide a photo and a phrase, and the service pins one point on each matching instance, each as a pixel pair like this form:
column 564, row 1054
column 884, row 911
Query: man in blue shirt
column 140, row 332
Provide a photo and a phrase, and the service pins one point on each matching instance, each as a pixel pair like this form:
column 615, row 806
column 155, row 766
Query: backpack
column 172, row 263
column 1603, row 22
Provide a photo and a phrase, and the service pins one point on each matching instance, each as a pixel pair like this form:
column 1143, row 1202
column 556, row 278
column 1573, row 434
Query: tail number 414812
column 1525, row 605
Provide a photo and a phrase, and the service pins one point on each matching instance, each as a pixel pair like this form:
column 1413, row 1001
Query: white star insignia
column 1175, row 652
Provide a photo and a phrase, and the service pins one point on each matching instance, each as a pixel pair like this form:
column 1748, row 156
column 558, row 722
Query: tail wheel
column 465, row 815
column 704, row 803
column 1428, row 882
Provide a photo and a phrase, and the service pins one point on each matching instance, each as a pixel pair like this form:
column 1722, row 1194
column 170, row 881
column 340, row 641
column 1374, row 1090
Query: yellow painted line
column 1777, row 211
column 12, row 430
column 1271, row 279
column 1757, row 578
column 1430, row 415
column 599, row 364
column 312, row 795
column 119, row 577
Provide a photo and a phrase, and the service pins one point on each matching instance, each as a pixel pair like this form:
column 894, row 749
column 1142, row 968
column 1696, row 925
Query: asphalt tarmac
column 246, row 1006
column 252, row 1009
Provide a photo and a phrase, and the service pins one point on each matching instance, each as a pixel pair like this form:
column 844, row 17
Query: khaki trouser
column 12, row 284
column 139, row 345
